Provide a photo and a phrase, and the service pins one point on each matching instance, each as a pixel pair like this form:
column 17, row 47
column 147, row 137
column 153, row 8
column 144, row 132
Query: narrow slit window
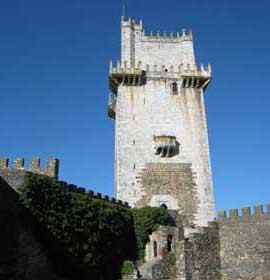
column 155, row 249
column 174, row 88
column 169, row 243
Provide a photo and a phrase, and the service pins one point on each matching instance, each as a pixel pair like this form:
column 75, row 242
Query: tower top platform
column 160, row 48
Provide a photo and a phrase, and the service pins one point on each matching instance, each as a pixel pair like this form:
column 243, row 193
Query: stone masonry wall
column 245, row 244
column 202, row 254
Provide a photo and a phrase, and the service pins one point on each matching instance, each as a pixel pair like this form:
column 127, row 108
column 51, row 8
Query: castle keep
column 157, row 102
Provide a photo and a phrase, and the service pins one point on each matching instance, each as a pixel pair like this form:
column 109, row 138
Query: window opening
column 155, row 248
column 174, row 88
column 169, row 243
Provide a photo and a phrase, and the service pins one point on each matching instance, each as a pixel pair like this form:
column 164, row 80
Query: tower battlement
column 163, row 71
column 154, row 47
column 156, row 36
column 51, row 168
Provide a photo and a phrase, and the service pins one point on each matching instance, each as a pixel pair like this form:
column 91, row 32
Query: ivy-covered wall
column 97, row 235
column 83, row 235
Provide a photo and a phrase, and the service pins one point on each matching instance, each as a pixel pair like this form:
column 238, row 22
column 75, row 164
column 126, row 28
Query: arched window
column 174, row 88
column 169, row 242
column 155, row 249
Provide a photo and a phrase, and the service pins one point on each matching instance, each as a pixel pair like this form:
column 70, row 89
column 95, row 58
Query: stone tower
column 161, row 139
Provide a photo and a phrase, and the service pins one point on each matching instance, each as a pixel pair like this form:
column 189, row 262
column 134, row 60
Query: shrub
column 127, row 268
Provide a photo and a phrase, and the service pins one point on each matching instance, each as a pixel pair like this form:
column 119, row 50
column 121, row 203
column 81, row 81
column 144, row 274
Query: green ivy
column 98, row 235
column 146, row 221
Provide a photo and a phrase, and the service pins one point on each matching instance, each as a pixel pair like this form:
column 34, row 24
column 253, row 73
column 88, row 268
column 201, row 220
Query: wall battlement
column 260, row 213
column 51, row 168
column 15, row 173
column 94, row 195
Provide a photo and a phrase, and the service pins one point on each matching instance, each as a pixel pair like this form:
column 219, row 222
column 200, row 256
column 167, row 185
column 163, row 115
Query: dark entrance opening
column 155, row 248
column 174, row 88
column 163, row 205
column 169, row 243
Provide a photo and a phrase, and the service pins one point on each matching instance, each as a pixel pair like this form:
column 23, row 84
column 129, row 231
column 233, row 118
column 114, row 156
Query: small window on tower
column 174, row 88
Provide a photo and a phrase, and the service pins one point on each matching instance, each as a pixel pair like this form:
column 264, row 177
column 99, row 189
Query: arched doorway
column 163, row 205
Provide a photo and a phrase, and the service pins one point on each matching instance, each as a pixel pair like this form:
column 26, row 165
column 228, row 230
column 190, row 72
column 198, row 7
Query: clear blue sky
column 54, row 58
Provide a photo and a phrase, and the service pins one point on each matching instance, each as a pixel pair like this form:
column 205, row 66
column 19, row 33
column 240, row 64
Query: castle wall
column 245, row 244
column 14, row 174
column 202, row 254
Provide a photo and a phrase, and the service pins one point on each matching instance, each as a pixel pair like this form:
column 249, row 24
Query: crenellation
column 233, row 214
column 92, row 194
column 161, row 70
column 4, row 162
column 222, row 215
column 35, row 165
column 18, row 163
column 99, row 195
column 245, row 215
column 258, row 210
column 52, row 168
column 169, row 37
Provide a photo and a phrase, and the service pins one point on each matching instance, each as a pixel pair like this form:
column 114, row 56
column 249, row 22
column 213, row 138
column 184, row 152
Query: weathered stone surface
column 171, row 184
column 169, row 104
column 202, row 254
column 245, row 248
